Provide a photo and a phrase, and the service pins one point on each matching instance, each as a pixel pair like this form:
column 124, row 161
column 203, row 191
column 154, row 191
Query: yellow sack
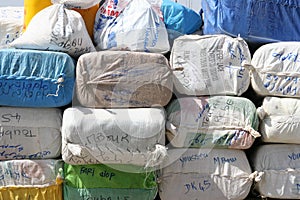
column 53, row 192
column 31, row 7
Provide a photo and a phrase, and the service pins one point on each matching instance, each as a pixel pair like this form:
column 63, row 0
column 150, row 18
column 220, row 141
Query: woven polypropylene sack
column 31, row 179
column 210, row 65
column 278, row 166
column 109, row 79
column 109, row 182
column 209, row 174
column 23, row 127
column 218, row 122
column 276, row 69
column 113, row 136
column 257, row 21
column 280, row 120
column 32, row 78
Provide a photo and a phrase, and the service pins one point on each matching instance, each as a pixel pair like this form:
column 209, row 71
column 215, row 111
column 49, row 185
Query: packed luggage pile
column 149, row 99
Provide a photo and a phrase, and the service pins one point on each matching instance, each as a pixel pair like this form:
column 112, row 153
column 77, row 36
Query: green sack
column 113, row 182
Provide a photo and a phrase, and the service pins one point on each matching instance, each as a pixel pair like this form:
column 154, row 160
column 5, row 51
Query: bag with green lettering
column 278, row 169
column 31, row 179
column 218, row 121
column 205, row 174
column 113, row 182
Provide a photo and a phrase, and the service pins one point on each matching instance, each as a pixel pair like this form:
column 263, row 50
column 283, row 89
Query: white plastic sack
column 113, row 136
column 130, row 25
column 215, row 122
column 276, row 69
column 280, row 120
column 11, row 24
column 56, row 28
column 205, row 174
column 80, row 4
column 32, row 133
column 278, row 169
column 29, row 173
column 210, row 65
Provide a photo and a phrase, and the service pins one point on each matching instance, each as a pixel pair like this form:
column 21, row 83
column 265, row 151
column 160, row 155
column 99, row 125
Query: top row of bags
column 199, row 66
column 78, row 27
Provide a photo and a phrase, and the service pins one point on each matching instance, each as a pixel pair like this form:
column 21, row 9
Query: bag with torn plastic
column 130, row 25
column 109, row 79
column 280, row 120
column 31, row 179
column 210, row 65
column 210, row 173
column 276, row 69
column 214, row 122
column 278, row 170
column 113, row 136
column 23, row 127
column 109, row 182
column 56, row 28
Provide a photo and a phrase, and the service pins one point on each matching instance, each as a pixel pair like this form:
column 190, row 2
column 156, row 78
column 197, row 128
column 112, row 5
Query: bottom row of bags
column 185, row 174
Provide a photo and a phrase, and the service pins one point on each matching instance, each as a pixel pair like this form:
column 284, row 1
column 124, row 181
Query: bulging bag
column 276, row 69
column 280, row 120
column 130, row 25
column 56, row 28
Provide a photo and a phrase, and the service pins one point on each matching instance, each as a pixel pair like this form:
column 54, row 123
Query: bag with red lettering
column 276, row 69
column 210, row 173
column 56, row 28
column 130, row 25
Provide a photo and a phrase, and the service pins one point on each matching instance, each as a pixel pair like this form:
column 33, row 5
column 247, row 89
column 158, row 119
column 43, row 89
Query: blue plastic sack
column 180, row 18
column 257, row 21
column 32, row 78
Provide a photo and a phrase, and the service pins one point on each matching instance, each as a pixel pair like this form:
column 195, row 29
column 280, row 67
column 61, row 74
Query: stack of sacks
column 275, row 76
column 209, row 65
column 257, row 21
column 33, row 85
column 121, row 124
column 11, row 24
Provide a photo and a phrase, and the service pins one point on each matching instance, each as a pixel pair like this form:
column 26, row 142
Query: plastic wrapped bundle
column 276, row 69
column 31, row 78
column 11, row 24
column 109, row 182
column 219, row 122
column 113, row 136
column 209, row 174
column 32, row 133
column 280, row 120
column 257, row 21
column 278, row 169
column 31, row 179
column 210, row 65
column 130, row 25
column 111, row 79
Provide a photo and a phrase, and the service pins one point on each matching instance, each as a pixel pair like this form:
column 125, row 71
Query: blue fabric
column 258, row 21
column 28, row 78
column 180, row 18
